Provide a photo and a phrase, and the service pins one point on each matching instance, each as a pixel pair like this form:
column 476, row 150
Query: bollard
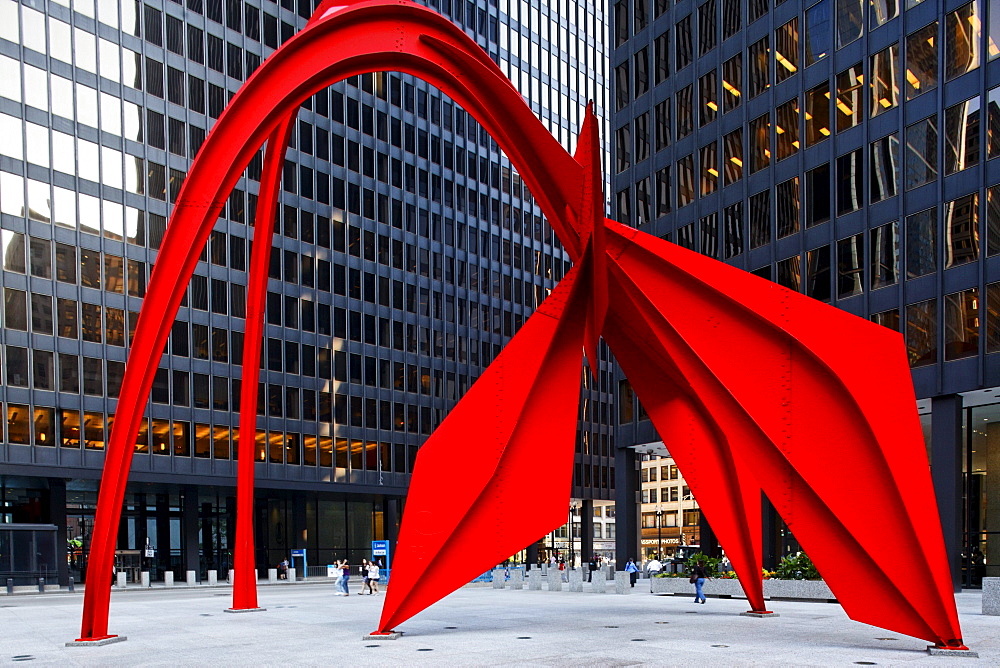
column 121, row 580
column 10, row 586
column 535, row 580
column 991, row 596
column 498, row 579
column 71, row 585
column 230, row 576
column 144, row 579
column 623, row 582
column 213, row 578
column 41, row 585
column 291, row 575
column 575, row 579
column 168, row 579
column 517, row 579
column 598, row 583
column 554, row 579
column 272, row 575
column 545, row 569
column 191, row 578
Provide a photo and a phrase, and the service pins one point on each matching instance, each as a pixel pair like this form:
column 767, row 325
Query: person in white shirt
column 373, row 576
column 653, row 567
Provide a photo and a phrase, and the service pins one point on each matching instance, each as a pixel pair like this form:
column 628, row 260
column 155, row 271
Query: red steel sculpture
column 750, row 384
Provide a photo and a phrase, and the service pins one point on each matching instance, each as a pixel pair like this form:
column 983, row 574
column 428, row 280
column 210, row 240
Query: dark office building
column 845, row 149
column 407, row 253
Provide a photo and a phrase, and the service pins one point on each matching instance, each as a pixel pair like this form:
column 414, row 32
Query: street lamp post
column 572, row 514
column 659, row 532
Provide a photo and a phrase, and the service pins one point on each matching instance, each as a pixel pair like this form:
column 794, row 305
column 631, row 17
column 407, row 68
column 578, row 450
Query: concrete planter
column 804, row 589
column 807, row 589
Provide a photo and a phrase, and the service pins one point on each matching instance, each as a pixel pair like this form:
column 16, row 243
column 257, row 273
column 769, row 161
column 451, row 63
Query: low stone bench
column 991, row 596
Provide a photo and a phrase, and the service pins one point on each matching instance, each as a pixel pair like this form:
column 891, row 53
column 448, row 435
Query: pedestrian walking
column 373, row 576
column 338, row 582
column 345, row 570
column 363, row 569
column 593, row 567
column 283, row 569
column 654, row 567
column 632, row 570
column 698, row 577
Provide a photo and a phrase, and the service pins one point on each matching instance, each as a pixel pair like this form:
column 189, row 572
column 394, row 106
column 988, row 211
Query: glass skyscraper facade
column 407, row 252
column 845, row 149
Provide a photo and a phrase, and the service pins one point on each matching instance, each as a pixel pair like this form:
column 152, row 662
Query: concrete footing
column 394, row 635
column 97, row 643
column 759, row 615
column 934, row 650
column 239, row 610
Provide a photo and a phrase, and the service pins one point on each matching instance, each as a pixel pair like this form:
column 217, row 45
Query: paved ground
column 306, row 625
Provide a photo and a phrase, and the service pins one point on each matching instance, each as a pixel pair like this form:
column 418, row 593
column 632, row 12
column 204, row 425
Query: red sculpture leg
column 520, row 420
column 805, row 376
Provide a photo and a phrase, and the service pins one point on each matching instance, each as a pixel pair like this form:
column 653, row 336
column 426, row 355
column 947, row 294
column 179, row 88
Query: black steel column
column 189, row 529
column 531, row 559
column 709, row 542
column 587, row 531
column 57, row 516
column 626, row 507
column 947, row 450
column 769, row 529
column 391, row 524
column 162, row 544
column 298, row 539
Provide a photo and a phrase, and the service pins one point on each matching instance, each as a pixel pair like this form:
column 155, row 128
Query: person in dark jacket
column 698, row 576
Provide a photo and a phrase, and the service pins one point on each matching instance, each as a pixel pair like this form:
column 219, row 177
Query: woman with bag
column 373, row 576
column 698, row 577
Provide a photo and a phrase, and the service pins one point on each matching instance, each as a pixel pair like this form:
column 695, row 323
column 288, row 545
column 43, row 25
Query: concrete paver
column 475, row 626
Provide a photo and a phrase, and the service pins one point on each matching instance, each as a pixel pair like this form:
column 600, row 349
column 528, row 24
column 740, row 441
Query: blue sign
column 298, row 553
column 380, row 548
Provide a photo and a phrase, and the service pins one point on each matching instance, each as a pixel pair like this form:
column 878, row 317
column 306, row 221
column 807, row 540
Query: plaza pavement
column 306, row 625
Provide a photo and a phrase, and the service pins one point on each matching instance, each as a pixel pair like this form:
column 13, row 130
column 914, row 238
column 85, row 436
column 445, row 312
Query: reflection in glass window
column 883, row 168
column 921, row 152
column 850, row 21
column 786, row 198
column 888, row 319
column 850, row 265
column 621, row 22
column 732, row 218
column 850, row 182
column 786, row 50
column 787, row 128
column 686, row 238
column 685, row 111
column 757, row 9
column 883, row 11
column 710, row 235
column 922, row 61
column 818, row 273
column 921, row 333
column 849, row 92
column 641, row 72
column 733, row 166
column 682, row 43
column 961, row 231
column 732, row 17
column 993, row 36
column 643, row 210
column 641, row 137
column 993, row 220
column 663, row 198
column 993, row 318
column 760, row 219
column 961, row 136
column 623, row 148
column 789, row 273
column 818, row 200
column 993, row 122
column 12, row 247
column 16, row 364
column 622, row 83
column 884, row 249
column 962, row 32
column 661, row 113
column 921, row 243
column 758, row 57
column 961, row 324
column 760, row 138
column 732, row 82
column 641, row 15
column 685, row 181
column 817, row 114
column 67, row 318
column 709, row 168
column 15, row 309
column 624, row 207
column 819, row 31
column 661, row 51
column 885, row 80
column 707, row 29
column 41, row 313
column 708, row 91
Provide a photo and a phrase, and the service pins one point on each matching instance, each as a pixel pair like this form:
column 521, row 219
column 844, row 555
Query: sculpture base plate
column 96, row 642
column 759, row 615
column 964, row 653
column 389, row 635
column 239, row 610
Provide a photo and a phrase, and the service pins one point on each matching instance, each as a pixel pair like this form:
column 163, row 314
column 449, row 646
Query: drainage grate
column 451, row 627
column 611, row 627
column 661, row 622
column 865, row 663
column 524, row 637
column 204, row 614
column 638, row 640
column 371, row 645
column 23, row 657
column 886, row 638
column 424, row 649
column 720, row 645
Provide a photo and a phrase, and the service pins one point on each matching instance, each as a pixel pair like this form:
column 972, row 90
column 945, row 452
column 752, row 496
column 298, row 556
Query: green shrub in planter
column 796, row 566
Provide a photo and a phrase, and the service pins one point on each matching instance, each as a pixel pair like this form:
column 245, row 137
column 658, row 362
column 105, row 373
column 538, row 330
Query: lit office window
column 883, row 166
column 758, row 58
column 817, row 114
column 708, row 92
column 961, row 324
column 786, row 50
column 850, row 265
column 787, row 128
column 685, row 181
column 850, row 182
column 961, row 136
column 709, row 168
column 732, row 82
column 760, row 138
column 685, row 111
column 707, row 27
column 818, row 273
column 733, row 166
column 849, row 95
column 786, row 198
column 921, row 243
column 961, row 231
column 921, row 152
column 922, row 61
column 789, row 273
column 732, row 218
column 818, row 200
column 962, row 33
column 885, row 80
column 883, row 11
column 850, row 21
column 819, row 32
column 760, row 219
column 921, row 333
column 884, row 248
column 993, row 220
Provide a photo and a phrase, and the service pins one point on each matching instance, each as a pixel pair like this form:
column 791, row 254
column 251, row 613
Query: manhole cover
column 720, row 645
column 865, row 663
column 524, row 637
column 611, row 627
column 424, row 649
column 638, row 640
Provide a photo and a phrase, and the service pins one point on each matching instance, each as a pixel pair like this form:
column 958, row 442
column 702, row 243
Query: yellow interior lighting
column 713, row 171
column 736, row 161
column 712, row 105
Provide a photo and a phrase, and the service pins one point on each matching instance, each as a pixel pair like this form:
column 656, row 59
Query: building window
column 884, row 168
column 962, row 32
column 850, row 182
column 922, row 61
column 921, row 152
column 641, row 72
column 622, row 82
column 850, row 265
column 885, row 80
column 993, row 220
column 661, row 113
column 732, row 217
column 709, row 107
column 786, row 50
column 661, row 50
column 817, row 114
column 621, row 22
column 710, row 235
column 758, row 57
column 757, row 9
column 849, row 94
column 818, row 273
column 884, row 248
column 883, row 11
column 641, row 15
column 623, row 148
column 760, row 138
column 707, row 29
column 921, row 333
column 685, row 111
column 709, row 168
column 732, row 82
column 641, row 137
column 888, row 319
column 760, row 219
column 686, row 238
column 786, row 197
column 993, row 318
column 642, row 203
column 961, row 136
column 993, row 121
column 961, row 231
column 732, row 19
column 682, row 43
column 663, row 191
column 789, row 273
column 850, row 21
column 819, row 32
column 685, row 181
column 623, row 207
column 993, row 39
column 733, row 165
column 921, row 243
column 961, row 324
column 787, row 129
column 818, row 198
